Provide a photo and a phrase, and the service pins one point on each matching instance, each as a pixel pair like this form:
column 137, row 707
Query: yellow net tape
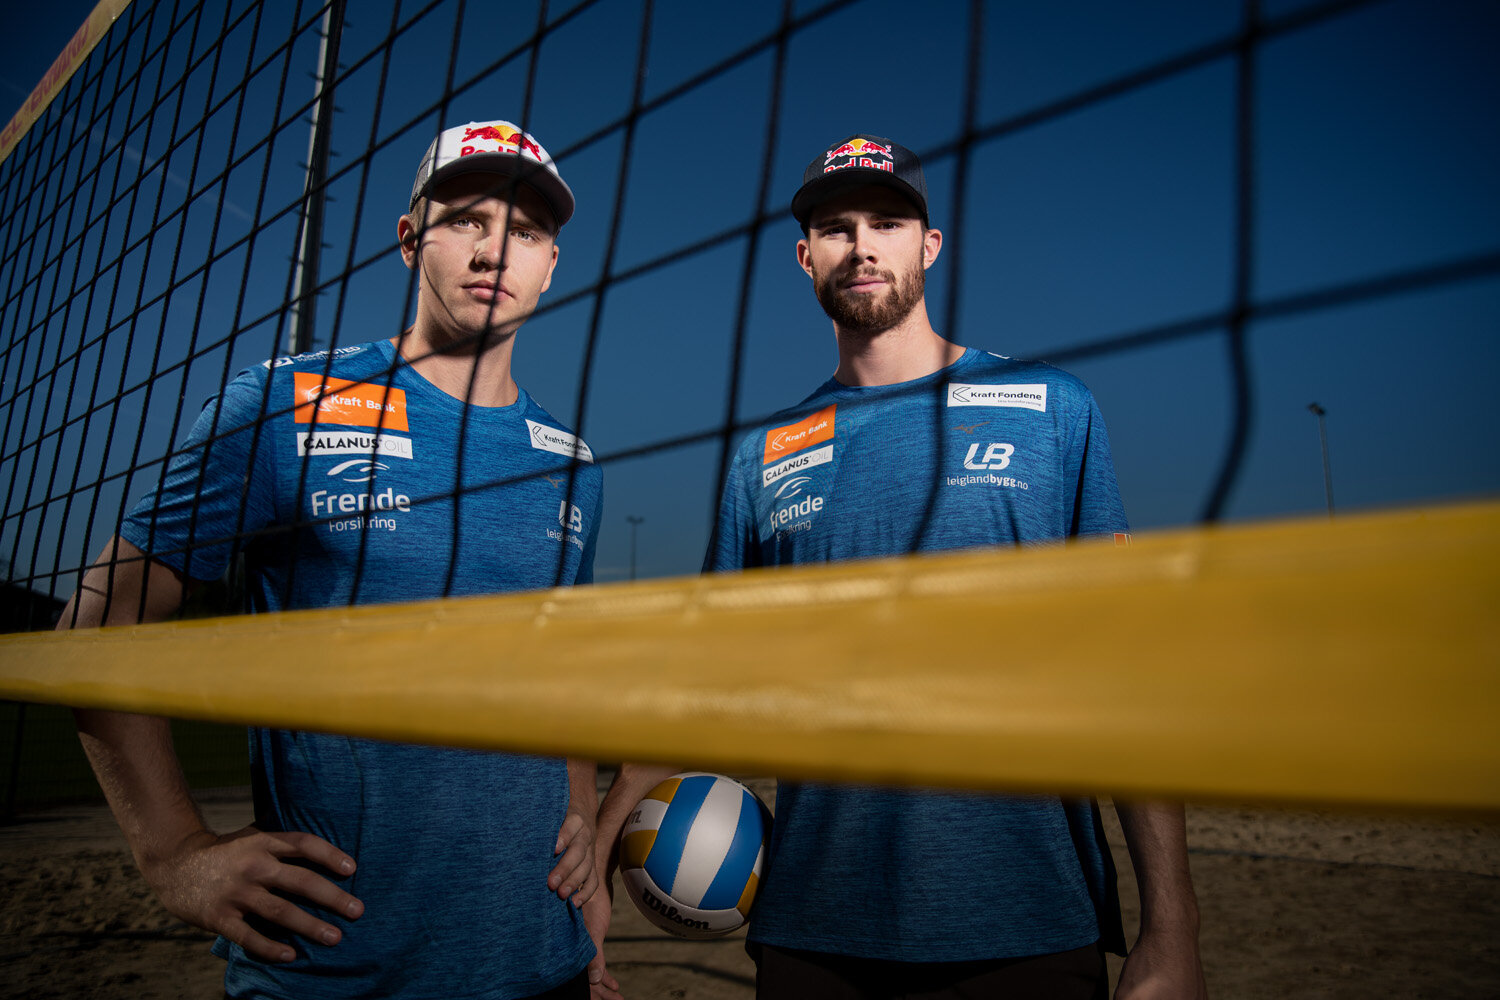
column 1344, row 661
column 61, row 71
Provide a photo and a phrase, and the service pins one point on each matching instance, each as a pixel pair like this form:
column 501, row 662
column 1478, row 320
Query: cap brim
column 553, row 189
column 820, row 189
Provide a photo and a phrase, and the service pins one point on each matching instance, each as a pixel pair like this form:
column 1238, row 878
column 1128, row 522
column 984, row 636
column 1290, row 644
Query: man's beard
column 858, row 312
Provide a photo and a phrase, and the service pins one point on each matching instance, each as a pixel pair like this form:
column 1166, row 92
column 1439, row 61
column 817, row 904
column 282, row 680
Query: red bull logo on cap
column 496, row 139
column 859, row 153
column 857, row 147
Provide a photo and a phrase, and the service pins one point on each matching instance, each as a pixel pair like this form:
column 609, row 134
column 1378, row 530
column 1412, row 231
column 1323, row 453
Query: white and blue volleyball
column 691, row 854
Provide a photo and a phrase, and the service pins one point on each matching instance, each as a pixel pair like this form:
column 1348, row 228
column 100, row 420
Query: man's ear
column 406, row 238
column 547, row 282
column 804, row 256
column 932, row 245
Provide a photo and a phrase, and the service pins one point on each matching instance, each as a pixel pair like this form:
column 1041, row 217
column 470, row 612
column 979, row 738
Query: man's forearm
column 137, row 768
column 630, row 785
column 132, row 755
column 1164, row 961
column 1156, row 835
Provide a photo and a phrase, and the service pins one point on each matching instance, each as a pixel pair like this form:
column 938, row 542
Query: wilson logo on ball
column 691, row 854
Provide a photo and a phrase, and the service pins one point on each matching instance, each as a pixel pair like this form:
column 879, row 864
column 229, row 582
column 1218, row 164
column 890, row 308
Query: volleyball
column 691, row 854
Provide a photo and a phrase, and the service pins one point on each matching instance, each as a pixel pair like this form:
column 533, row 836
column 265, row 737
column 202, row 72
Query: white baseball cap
column 496, row 147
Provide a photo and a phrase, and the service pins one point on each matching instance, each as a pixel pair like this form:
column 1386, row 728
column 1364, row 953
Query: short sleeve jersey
column 340, row 478
column 988, row 451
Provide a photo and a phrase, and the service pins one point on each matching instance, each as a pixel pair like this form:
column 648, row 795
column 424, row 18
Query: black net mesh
column 157, row 219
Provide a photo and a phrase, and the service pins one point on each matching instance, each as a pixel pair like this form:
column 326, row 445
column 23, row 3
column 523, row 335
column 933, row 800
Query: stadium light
column 1320, row 413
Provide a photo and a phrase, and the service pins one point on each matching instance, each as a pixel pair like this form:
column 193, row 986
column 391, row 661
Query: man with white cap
column 401, row 469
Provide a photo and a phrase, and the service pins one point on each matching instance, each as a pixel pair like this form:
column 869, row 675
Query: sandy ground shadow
column 1296, row 903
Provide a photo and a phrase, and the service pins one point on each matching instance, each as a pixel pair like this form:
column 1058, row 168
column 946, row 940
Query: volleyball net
column 198, row 189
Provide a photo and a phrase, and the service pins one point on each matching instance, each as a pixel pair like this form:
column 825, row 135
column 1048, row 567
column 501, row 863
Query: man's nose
column 488, row 252
column 863, row 247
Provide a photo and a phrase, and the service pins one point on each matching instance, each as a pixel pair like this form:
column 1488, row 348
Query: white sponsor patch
column 558, row 442
column 338, row 352
column 1025, row 397
column 353, row 443
column 796, row 463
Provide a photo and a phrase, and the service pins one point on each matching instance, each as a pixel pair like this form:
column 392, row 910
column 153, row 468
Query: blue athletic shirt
column 453, row 847
column 988, row 451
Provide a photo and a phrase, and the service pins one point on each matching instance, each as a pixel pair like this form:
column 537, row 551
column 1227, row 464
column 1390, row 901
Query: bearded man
column 919, row 444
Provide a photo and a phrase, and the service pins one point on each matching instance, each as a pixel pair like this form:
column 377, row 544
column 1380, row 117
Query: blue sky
column 1376, row 152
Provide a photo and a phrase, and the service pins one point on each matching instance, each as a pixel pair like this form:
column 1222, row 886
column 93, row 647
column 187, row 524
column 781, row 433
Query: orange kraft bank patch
column 356, row 404
column 782, row 441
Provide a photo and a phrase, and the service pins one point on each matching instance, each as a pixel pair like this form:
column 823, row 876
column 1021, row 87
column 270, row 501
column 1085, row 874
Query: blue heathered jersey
column 345, row 492
column 989, row 451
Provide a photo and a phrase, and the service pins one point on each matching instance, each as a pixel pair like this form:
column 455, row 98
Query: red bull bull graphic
column 859, row 153
column 857, row 147
column 500, row 136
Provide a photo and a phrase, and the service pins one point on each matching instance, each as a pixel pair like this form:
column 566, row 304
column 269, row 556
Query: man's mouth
column 485, row 291
column 864, row 282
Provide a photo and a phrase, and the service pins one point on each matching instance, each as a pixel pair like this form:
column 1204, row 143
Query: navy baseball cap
column 857, row 161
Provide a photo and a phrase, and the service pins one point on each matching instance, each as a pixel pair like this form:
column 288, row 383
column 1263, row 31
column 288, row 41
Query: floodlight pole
column 635, row 522
column 1320, row 413
column 310, row 237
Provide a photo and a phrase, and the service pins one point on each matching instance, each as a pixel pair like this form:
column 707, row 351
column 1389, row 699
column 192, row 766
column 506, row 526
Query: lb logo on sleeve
column 811, row 430
column 351, row 404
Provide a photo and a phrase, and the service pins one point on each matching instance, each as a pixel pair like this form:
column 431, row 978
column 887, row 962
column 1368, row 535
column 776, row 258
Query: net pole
column 319, row 145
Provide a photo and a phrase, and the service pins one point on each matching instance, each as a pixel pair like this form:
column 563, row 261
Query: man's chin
column 866, row 317
column 481, row 336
